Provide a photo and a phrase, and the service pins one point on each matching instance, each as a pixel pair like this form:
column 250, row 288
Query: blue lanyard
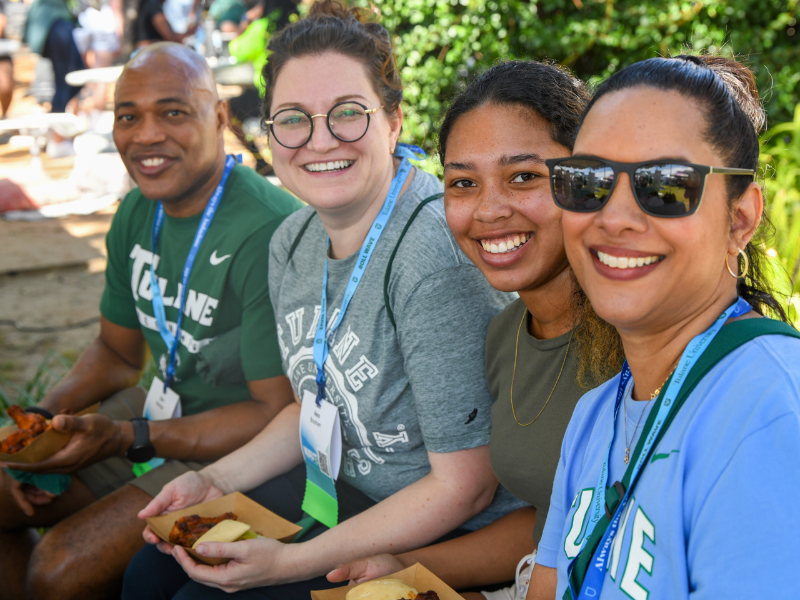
column 321, row 339
column 595, row 575
column 170, row 339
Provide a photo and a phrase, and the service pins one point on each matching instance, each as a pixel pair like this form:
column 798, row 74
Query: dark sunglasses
column 662, row 188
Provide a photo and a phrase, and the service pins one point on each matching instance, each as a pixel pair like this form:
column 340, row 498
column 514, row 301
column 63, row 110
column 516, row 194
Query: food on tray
column 224, row 531
column 187, row 530
column 30, row 425
column 388, row 589
column 193, row 529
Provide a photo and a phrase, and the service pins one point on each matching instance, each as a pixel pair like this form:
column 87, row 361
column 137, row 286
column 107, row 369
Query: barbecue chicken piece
column 35, row 422
column 30, row 425
column 187, row 530
column 429, row 595
column 17, row 441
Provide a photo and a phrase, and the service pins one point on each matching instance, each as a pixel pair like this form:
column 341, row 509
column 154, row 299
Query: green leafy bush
column 440, row 43
column 780, row 156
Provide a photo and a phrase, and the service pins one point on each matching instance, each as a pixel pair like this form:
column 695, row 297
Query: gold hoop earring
column 746, row 265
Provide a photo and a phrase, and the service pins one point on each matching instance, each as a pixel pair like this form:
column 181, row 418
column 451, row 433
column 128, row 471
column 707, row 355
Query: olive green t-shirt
column 228, row 285
column 525, row 458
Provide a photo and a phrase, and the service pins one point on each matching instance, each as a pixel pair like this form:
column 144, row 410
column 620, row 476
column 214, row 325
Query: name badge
column 320, row 436
column 161, row 405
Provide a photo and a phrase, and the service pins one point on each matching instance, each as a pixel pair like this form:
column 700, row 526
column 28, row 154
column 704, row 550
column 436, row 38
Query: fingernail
column 201, row 549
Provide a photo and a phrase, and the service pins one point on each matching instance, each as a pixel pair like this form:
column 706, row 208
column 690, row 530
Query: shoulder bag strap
column 299, row 235
column 388, row 273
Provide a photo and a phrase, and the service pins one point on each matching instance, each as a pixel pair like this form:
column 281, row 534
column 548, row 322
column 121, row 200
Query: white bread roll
column 382, row 589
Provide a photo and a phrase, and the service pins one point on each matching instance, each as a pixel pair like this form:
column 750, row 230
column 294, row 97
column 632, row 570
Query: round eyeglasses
column 347, row 122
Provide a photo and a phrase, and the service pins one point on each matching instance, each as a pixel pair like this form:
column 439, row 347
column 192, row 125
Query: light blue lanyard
column 170, row 339
column 321, row 339
column 595, row 575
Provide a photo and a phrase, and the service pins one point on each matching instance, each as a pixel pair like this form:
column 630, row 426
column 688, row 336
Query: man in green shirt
column 169, row 131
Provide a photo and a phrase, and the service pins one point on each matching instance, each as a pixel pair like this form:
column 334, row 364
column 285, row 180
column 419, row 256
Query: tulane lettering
column 199, row 307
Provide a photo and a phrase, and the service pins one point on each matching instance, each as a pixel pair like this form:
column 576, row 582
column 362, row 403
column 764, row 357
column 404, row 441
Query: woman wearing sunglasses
column 545, row 349
column 675, row 477
column 381, row 320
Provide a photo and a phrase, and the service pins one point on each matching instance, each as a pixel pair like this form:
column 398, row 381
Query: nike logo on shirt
column 215, row 260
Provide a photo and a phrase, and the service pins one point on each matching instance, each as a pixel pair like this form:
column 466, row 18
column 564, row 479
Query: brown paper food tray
column 416, row 576
column 264, row 522
column 43, row 445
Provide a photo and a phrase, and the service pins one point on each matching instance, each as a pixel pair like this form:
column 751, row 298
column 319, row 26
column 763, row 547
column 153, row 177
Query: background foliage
column 439, row 43
column 780, row 156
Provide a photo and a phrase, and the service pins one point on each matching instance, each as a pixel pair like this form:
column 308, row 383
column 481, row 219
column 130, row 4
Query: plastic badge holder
column 43, row 445
column 416, row 576
column 264, row 522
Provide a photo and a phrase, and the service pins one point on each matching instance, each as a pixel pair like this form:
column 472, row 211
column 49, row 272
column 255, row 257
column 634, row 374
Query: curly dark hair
column 553, row 93
column 333, row 27
column 727, row 92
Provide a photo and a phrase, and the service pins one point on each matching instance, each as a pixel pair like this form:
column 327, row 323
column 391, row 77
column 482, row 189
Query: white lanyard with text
column 595, row 575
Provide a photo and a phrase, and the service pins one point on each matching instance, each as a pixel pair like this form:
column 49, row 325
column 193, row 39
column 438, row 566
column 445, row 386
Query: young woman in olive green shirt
column 544, row 350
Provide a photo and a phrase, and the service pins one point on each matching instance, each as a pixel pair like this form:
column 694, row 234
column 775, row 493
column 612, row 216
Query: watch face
column 141, row 450
column 141, row 454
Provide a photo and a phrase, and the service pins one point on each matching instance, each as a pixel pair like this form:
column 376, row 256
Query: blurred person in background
column 152, row 25
column 278, row 11
column 99, row 39
column 228, row 14
column 257, row 26
column 48, row 32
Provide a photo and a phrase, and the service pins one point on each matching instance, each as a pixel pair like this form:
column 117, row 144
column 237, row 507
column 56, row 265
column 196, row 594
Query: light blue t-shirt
column 715, row 513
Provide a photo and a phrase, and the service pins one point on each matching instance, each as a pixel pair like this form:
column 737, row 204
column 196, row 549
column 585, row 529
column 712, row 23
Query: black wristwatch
column 141, row 450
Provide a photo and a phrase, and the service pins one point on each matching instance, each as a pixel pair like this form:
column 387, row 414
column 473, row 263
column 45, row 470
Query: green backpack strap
column 729, row 338
column 299, row 235
column 388, row 273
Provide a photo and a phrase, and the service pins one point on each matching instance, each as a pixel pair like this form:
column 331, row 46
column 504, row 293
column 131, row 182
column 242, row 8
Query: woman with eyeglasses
column 676, row 477
column 544, row 350
column 381, row 320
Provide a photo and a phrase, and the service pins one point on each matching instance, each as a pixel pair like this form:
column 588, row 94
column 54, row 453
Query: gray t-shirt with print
column 400, row 392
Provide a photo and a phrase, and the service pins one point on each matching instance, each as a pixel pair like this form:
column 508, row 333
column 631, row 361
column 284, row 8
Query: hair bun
column 741, row 83
column 338, row 9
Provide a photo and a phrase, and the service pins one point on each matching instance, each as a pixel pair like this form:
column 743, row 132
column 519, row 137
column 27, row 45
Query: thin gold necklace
column 625, row 417
column 653, row 396
column 514, row 374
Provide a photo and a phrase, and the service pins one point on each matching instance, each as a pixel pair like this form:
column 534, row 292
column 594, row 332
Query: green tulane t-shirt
column 228, row 285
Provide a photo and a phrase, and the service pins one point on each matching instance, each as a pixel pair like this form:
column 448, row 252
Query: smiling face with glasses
column 331, row 139
column 647, row 222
